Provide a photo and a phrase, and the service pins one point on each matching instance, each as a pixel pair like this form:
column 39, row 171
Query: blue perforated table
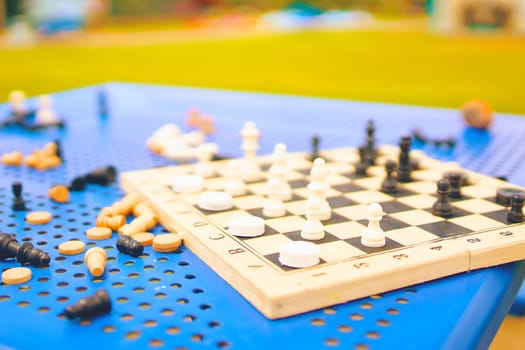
column 175, row 301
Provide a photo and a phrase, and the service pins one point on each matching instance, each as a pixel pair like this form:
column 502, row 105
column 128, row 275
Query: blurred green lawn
column 402, row 66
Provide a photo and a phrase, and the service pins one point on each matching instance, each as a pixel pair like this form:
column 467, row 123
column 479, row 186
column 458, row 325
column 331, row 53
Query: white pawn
column 278, row 170
column 234, row 184
column 250, row 138
column 274, row 206
column 313, row 228
column 318, row 187
column 373, row 236
column 204, row 155
column 45, row 114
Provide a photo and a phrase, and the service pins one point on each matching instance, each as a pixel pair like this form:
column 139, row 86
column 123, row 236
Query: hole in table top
column 197, row 337
column 162, row 259
column 366, row 306
column 43, row 293
column 85, row 322
column 109, row 329
column 169, row 272
column 204, row 307
column 372, row 335
column 329, row 311
column 138, row 289
column 79, row 275
column 43, row 309
column 383, row 323
column 155, row 343
column 154, row 280
column 189, row 318
column 144, row 306
column 24, row 288
column 318, row 322
column 132, row 335
column 175, row 285
column 344, row 328
column 167, row 312
column 23, row 303
column 62, row 299
column 356, row 317
column 122, row 300
column 148, row 267
column 361, row 347
column 134, row 275
column 81, row 289
column 117, row 284
column 126, row 317
column 150, row 323
column 392, row 311
column 62, row 284
column 332, row 342
column 172, row 330
column 189, row 276
column 182, row 301
column 161, row 295
column 214, row 324
column 402, row 301
column 223, row 344
column 197, row 290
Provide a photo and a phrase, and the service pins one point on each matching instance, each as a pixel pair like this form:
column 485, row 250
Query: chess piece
column 278, row 170
column 515, row 214
column 455, row 179
column 442, row 206
column 316, row 140
column 129, row 246
column 102, row 102
column 19, row 110
column 58, row 149
column 90, row 306
column 250, row 137
column 313, row 228
column 101, row 176
column 318, row 187
column 362, row 167
column 274, row 206
column 95, row 259
column 8, row 246
column 370, row 142
column 205, row 154
column 18, row 201
column 193, row 117
column 389, row 184
column 142, row 223
column 404, row 168
column 234, row 183
column 373, row 236
column 27, row 254
column 77, row 184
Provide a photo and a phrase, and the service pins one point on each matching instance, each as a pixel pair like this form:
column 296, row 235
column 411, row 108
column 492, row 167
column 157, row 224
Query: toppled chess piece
column 129, row 246
column 88, row 307
column 101, row 176
column 27, row 254
column 8, row 246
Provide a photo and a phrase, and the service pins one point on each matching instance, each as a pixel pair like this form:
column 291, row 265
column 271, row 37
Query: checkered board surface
column 419, row 246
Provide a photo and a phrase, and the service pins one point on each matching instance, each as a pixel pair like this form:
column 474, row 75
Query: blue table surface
column 174, row 300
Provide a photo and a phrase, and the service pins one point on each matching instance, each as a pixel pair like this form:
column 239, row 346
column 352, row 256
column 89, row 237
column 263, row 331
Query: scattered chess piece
column 95, row 259
column 442, row 206
column 404, row 169
column 58, row 149
column 77, row 184
column 101, row 176
column 18, row 201
column 370, row 142
column 313, row 229
column 27, row 254
column 45, row 114
column 142, row 223
column 59, row 193
column 19, row 111
column 477, row 113
column 389, row 184
column 12, row 158
column 113, row 222
column 515, row 214
column 316, row 141
column 207, row 124
column 455, row 179
column 274, row 206
column 90, row 306
column 102, row 102
column 193, row 117
column 8, row 246
column 129, row 246
column 123, row 206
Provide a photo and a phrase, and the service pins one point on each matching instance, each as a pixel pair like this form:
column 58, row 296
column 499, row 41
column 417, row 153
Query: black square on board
column 340, row 202
column 388, row 223
column 348, row 188
column 390, row 244
column 445, row 229
column 296, row 236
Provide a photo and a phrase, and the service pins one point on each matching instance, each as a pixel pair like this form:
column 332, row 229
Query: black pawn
column 58, row 152
column 18, row 201
column 316, row 140
column 515, row 215
column 389, row 185
column 455, row 179
column 78, row 184
column 27, row 254
column 8, row 246
column 101, row 176
column 371, row 141
column 442, row 206
column 102, row 103
column 127, row 245
column 362, row 167
column 96, row 304
column 404, row 169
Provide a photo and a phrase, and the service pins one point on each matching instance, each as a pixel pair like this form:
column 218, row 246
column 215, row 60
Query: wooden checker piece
column 145, row 238
column 73, row 247
column 16, row 275
column 419, row 246
column 38, row 217
column 99, row 233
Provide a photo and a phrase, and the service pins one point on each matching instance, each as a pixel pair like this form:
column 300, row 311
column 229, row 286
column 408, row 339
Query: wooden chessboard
column 419, row 246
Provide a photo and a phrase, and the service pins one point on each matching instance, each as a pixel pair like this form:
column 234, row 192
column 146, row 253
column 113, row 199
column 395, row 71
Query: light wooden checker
column 420, row 247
